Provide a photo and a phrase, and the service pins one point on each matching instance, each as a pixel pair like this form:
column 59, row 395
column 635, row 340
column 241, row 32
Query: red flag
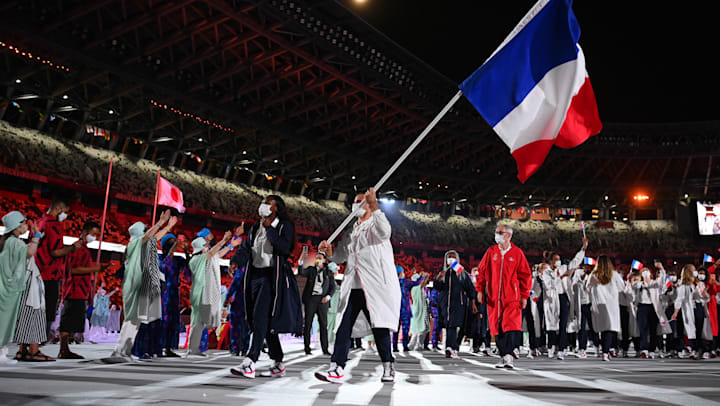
column 170, row 195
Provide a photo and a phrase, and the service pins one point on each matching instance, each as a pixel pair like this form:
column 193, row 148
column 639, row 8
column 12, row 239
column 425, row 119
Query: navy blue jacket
column 454, row 293
column 286, row 317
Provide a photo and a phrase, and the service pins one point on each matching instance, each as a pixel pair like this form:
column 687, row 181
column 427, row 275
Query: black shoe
column 476, row 350
column 308, row 352
column 426, row 348
column 171, row 354
column 327, row 353
column 395, row 349
column 235, row 353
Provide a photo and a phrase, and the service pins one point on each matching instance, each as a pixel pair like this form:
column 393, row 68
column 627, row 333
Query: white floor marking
column 425, row 363
column 661, row 394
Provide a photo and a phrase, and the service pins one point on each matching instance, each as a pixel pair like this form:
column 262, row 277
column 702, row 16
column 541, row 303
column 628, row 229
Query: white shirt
column 262, row 249
column 644, row 295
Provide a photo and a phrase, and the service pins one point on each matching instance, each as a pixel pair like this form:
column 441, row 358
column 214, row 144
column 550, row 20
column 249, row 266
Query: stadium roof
column 309, row 93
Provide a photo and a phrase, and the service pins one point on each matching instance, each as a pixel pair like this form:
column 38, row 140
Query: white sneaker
column 537, row 353
column 621, row 354
column 694, row 355
column 561, row 355
column 684, row 354
column 389, row 370
column 246, row 369
column 275, row 371
column 516, row 354
column 501, row 363
column 653, row 355
column 606, row 357
column 706, row 355
column 334, row 374
column 508, row 361
column 530, row 355
column 581, row 354
column 551, row 352
column 454, row 354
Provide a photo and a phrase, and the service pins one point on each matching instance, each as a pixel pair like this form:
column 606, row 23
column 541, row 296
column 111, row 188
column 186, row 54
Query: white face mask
column 450, row 261
column 62, row 216
column 646, row 274
column 557, row 264
column 701, row 277
column 362, row 212
column 90, row 238
column 264, row 210
column 673, row 278
column 534, row 274
column 695, row 273
column 499, row 239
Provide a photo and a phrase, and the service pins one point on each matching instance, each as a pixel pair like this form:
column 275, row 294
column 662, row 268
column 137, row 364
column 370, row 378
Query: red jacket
column 507, row 280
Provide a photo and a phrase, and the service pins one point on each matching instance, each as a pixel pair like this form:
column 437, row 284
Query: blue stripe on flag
column 503, row 82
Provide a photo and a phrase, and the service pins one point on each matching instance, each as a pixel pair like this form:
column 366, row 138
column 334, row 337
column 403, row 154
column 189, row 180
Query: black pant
column 262, row 300
column 530, row 322
column 608, row 337
column 671, row 340
column 314, row 306
column 647, row 323
column 451, row 338
column 507, row 341
column 52, row 294
column 357, row 304
column 586, row 329
column 564, row 314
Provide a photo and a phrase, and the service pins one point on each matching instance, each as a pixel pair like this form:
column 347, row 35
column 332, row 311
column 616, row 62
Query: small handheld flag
column 668, row 282
column 637, row 265
column 582, row 224
column 708, row 258
column 589, row 261
column 533, row 297
column 457, row 267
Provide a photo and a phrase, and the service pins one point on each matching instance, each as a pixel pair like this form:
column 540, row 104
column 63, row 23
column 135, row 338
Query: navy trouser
column 608, row 337
column 564, row 314
column 507, row 340
column 530, row 323
column 357, row 304
column 262, row 300
column 647, row 324
column 586, row 328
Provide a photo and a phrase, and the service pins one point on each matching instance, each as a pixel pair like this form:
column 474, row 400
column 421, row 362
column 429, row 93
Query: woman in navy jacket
column 455, row 288
column 272, row 297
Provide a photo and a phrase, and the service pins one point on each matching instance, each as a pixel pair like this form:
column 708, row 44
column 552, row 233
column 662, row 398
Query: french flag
column 534, row 90
column 668, row 282
column 457, row 267
column 636, row 265
column 708, row 258
column 589, row 261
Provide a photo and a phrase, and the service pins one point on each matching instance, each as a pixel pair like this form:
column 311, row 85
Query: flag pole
column 155, row 201
column 102, row 222
column 400, row 160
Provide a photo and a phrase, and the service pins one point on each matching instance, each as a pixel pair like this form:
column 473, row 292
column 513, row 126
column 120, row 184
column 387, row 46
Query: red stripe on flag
column 581, row 122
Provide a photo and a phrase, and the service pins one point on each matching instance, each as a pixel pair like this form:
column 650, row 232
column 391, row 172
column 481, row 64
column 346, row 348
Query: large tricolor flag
column 534, row 90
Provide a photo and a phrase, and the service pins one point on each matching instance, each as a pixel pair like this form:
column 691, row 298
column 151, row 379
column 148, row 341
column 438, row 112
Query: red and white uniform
column 508, row 280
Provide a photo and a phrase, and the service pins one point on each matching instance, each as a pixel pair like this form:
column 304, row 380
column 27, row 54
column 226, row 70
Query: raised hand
column 33, row 227
column 172, row 222
column 165, row 216
column 371, row 197
column 240, row 230
column 227, row 236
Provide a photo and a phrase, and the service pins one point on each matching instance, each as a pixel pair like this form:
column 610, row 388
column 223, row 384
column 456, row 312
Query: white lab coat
column 604, row 305
column 627, row 298
column 368, row 252
column 707, row 329
column 551, row 299
column 685, row 301
column 656, row 287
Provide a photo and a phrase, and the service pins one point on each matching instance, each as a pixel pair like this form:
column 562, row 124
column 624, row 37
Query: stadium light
column 640, row 197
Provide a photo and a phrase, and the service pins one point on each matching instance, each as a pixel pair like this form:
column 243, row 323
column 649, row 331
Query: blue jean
column 357, row 304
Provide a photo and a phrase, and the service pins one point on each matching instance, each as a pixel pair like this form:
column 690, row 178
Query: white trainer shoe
column 389, row 370
column 275, row 371
column 454, row 354
column 606, row 357
column 561, row 355
column 551, row 352
column 334, row 374
column 582, row 354
column 245, row 369
column 508, row 361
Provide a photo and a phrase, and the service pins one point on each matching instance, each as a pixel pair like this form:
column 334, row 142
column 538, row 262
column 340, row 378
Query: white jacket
column 685, row 301
column 551, row 299
column 368, row 254
column 604, row 306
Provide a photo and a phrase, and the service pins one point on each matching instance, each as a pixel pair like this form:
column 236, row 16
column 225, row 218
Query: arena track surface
column 423, row 378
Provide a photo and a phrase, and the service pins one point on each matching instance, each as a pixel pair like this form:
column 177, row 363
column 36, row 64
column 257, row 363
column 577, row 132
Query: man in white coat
column 370, row 292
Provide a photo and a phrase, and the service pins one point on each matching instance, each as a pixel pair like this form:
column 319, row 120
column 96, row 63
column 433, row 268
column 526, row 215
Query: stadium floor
column 422, row 379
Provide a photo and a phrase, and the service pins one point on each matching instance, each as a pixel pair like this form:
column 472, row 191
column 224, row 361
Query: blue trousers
column 357, row 304
column 404, row 325
column 564, row 314
column 261, row 286
column 239, row 333
column 647, row 324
